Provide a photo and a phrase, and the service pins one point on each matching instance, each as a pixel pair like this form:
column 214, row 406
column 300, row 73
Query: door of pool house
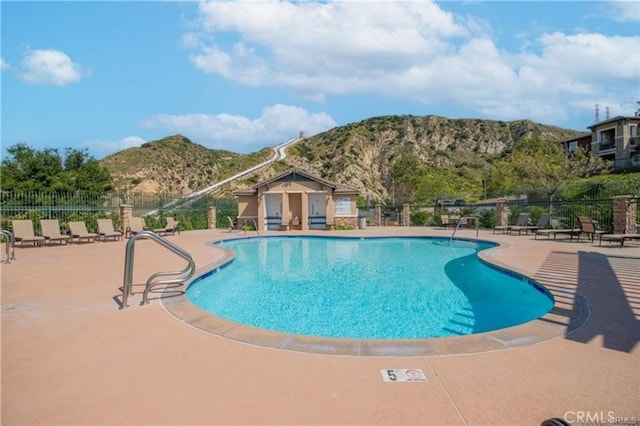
column 317, row 210
column 273, row 211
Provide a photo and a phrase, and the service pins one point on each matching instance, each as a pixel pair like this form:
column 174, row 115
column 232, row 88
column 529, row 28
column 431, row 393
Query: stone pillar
column 126, row 211
column 406, row 215
column 624, row 214
column 304, row 220
column 212, row 218
column 331, row 208
column 377, row 213
column 261, row 212
column 502, row 213
column 285, row 220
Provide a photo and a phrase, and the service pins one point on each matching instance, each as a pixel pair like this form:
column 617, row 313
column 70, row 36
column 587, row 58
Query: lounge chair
column 23, row 232
column 560, row 230
column 543, row 222
column 51, row 231
column 618, row 237
column 232, row 226
column 523, row 220
column 106, row 230
column 135, row 224
column 588, row 227
column 171, row 227
column 79, row 231
column 444, row 221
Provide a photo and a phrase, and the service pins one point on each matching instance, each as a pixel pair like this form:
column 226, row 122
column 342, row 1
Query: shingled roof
column 296, row 174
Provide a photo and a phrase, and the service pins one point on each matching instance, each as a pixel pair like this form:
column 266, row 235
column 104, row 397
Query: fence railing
column 593, row 200
column 88, row 208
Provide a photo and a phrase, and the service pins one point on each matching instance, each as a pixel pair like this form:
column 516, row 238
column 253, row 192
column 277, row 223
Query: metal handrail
column 182, row 275
column 255, row 225
column 9, row 246
column 465, row 218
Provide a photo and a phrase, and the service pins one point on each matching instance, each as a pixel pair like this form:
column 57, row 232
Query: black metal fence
column 569, row 202
column 86, row 207
column 593, row 200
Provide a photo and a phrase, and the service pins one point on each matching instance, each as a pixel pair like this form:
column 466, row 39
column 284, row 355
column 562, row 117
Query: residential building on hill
column 615, row 139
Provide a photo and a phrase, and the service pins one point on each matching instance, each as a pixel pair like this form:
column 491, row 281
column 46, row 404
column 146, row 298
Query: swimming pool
column 367, row 288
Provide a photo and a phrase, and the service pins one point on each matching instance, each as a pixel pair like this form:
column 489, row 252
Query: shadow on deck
column 611, row 286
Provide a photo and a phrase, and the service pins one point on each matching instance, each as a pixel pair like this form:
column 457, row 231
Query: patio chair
column 106, row 230
column 523, row 220
column 618, row 237
column 23, row 232
column 232, row 226
column 135, row 224
column 171, row 227
column 543, row 222
column 79, row 232
column 51, row 231
column 444, row 221
column 588, row 227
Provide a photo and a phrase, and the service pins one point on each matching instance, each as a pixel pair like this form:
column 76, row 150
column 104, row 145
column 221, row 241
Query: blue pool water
column 372, row 288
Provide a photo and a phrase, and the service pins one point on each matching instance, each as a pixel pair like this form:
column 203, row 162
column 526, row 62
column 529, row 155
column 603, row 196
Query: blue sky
column 244, row 75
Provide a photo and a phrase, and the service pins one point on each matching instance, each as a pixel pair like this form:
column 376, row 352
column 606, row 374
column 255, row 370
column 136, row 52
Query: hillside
column 359, row 155
column 175, row 165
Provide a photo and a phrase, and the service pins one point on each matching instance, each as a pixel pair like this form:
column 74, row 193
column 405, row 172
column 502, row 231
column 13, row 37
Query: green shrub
column 343, row 227
column 487, row 219
column 419, row 218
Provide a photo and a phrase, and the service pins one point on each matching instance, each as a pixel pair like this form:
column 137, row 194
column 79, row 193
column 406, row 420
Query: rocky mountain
column 175, row 165
column 358, row 155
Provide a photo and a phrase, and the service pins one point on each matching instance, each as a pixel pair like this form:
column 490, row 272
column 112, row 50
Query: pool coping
column 550, row 326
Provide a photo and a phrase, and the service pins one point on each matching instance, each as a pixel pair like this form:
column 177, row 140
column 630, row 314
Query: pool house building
column 298, row 200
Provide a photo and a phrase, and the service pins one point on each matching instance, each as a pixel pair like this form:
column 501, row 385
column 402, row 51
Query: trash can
column 362, row 223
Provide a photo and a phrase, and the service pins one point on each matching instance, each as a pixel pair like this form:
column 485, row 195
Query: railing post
column 127, row 282
column 9, row 247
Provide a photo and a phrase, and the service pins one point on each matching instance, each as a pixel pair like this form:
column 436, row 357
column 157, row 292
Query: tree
column 405, row 175
column 537, row 163
column 27, row 169
column 425, row 183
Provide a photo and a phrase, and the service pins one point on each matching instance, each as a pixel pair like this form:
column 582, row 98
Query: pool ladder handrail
column 181, row 276
column 9, row 246
column 255, row 225
column 465, row 218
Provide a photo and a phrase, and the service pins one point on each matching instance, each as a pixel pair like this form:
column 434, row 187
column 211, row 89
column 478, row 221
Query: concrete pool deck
column 70, row 356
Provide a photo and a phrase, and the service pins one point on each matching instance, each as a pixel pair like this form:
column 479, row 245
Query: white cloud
column 330, row 47
column 101, row 148
column 3, row 65
column 624, row 11
column 50, row 67
column 412, row 51
column 224, row 131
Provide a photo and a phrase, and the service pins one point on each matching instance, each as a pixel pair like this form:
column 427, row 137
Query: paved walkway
column 70, row 356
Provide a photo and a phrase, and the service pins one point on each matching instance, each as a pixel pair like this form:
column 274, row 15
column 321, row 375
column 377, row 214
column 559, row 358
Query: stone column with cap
column 624, row 214
column 212, row 218
column 377, row 213
column 502, row 213
column 126, row 211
